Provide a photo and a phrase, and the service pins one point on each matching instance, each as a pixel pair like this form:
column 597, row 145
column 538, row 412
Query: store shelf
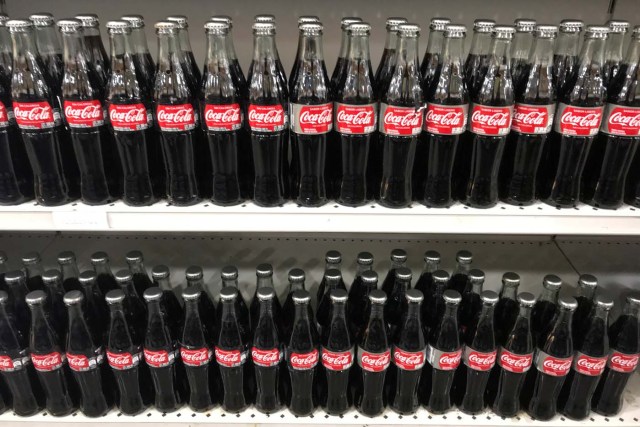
column 503, row 219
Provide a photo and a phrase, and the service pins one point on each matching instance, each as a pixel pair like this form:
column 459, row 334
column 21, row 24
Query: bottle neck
column 296, row 286
column 128, row 289
column 24, row 45
column 74, row 51
column 462, row 268
column 137, row 267
column 542, row 52
column 614, row 46
column 338, row 311
column 301, row 312
column 452, row 49
column 548, row 295
column 332, row 284
column 116, row 313
column 55, row 287
column 499, row 52
column 633, row 52
column 265, row 282
column 5, row 40
column 310, row 50
column 402, row 285
column 587, row 292
column 480, row 44
column 524, row 314
column 333, row 264
column 198, row 282
column 407, row 53
column 391, row 40
column 232, row 49
column 439, row 288
column 47, row 39
column 567, row 44
column 476, row 287
column 362, row 268
column 632, row 310
column 413, row 310
column 509, row 292
column 139, row 41
column 376, row 312
column 358, row 48
column 103, row 268
column 229, row 282
column 70, row 270
column 183, row 38
column 436, row 40
column 266, row 308
column 39, row 321
column 217, row 51
column 264, row 48
column 592, row 53
column 520, row 46
column 229, row 308
column 450, row 311
column 163, row 283
column 154, row 309
column 563, row 320
column 168, row 53
column 344, row 44
column 191, row 308
column 119, row 47
column 600, row 313
column 75, row 314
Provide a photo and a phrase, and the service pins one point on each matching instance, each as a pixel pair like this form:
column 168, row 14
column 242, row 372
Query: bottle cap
column 264, row 18
column 194, row 272
column 432, row 256
column 31, row 258
column 123, row 276
column 69, row 25
column 266, row 294
column 567, row 303
column 99, row 258
column 87, row 277
column 503, row 32
column 114, row 296
column 377, row 296
column 153, row 293
column 552, row 282
column 439, row 24
column 216, row 27
column 136, row 21
column 296, row 275
column 89, row 20
column 596, row 32
column 403, row 273
column 4, row 298
column 483, row 25
column 451, row 297
column 228, row 293
column 393, row 22
column 633, row 299
column 338, row 295
column 345, row 22
column 399, row 255
column 3, row 19
column 360, row 28
column 602, row 301
column 489, row 297
column 369, row 276
column 36, row 297
column 414, row 295
column 526, row 299
column 229, row 272
column 546, row 31
column 464, row 257
column 51, row 276
column 73, row 297
column 222, row 18
column 119, row 27
column 305, row 19
column 191, row 293
column 43, row 19
column 19, row 25
column 455, row 31
column 476, row 275
column 571, row 25
column 525, row 25
column 134, row 256
column 301, row 297
column 409, row 30
column 66, row 257
column 181, row 20
column 440, row 276
column 14, row 276
column 312, row 28
column 166, row 27
column 333, row 274
column 587, row 281
column 333, row 257
column 264, row 270
column 161, row 272
column 510, row 279
column 618, row 27
column 365, row 258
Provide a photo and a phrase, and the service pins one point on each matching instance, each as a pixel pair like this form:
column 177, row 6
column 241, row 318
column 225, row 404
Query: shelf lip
column 538, row 219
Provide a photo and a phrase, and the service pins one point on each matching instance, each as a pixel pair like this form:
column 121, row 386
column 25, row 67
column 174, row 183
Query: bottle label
column 48, row 362
column 81, row 363
column 123, row 361
column 374, row 362
column 400, row 121
column 129, row 117
column 223, row 117
column 312, row 119
column 409, row 360
column 577, row 121
column 446, row 119
column 443, row 360
column 355, row 119
column 533, row 119
column 84, row 114
column 7, row 364
column 35, row 115
column 267, row 118
column 304, row 361
column 620, row 120
column 176, row 118
column 478, row 360
column 230, row 358
column 624, row 363
column 159, row 358
column 491, row 121
column 337, row 360
column 266, row 358
column 6, row 116
column 554, row 366
column 195, row 357
column 587, row 365
column 516, row 363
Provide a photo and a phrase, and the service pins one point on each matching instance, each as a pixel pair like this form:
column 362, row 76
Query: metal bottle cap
column 489, row 297
column 359, row 28
column 301, row 297
column 455, row 31
column 588, row 281
column 266, row 294
column 377, row 296
column 526, row 299
column 439, row 24
column 432, row 256
column 194, row 272
column 191, row 293
column 365, row 258
column 229, row 272
column 136, row 21
column 571, row 25
column 180, row 20
column 228, row 293
column 346, row 21
column 476, row 275
column 510, row 279
column 222, row 18
column 567, row 303
column 409, row 30
column 305, row 19
column 440, row 276
column 153, row 293
column 264, row 18
column 166, row 27
column 19, row 25
column 503, row 32
column 483, row 25
column 296, row 275
column 119, row 27
column 87, row 277
column 451, row 297
column 134, row 256
column 14, row 276
column 369, row 277
column 264, row 270
column 99, row 258
column 66, row 257
column 552, row 282
column 392, row 23
column 73, row 297
column 216, row 27
column 51, row 276
column 333, row 257
column 333, row 274
column 464, row 257
column 399, row 255
column 89, row 20
column 123, row 276
column 525, row 25
column 618, row 27
column 403, row 273
column 414, row 296
column 31, row 258
column 114, row 296
column 69, row 25
column 43, row 19
column 161, row 272
column 546, row 31
column 3, row 19
column 338, row 295
column 36, row 297
column 596, row 32
column 604, row 302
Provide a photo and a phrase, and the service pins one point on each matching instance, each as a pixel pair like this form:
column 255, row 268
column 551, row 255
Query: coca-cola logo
column 34, row 115
column 229, row 358
column 78, row 362
column 374, row 362
column 587, row 120
column 621, row 362
column 532, row 119
column 554, row 366
column 624, row 121
column 122, row 361
column 303, row 361
column 479, row 361
column 175, row 117
column 266, row 358
column 223, row 117
column 128, row 117
column 407, row 360
column 83, row 113
column 266, row 118
column 450, row 360
column 312, row 119
column 592, row 366
column 6, row 363
column 445, row 119
column 401, row 121
column 4, row 116
column 337, row 361
column 491, row 121
column 47, row 362
column 579, row 121
column 195, row 357
column 158, row 358
column 355, row 119
column 516, row 363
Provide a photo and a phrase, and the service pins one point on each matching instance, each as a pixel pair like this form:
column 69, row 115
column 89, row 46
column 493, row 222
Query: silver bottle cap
column 338, row 295
column 31, row 258
column 266, row 294
column 440, row 276
column 360, row 28
column 546, row 31
column 525, row 25
column 98, row 258
column 409, row 30
column 369, row 276
column 377, row 296
column 296, row 275
column 228, row 293
column 181, row 20
column 264, row 270
column 114, row 296
column 588, row 280
column 136, row 21
column 160, row 272
column 119, row 27
column 66, row 257
column 153, row 293
column 414, row 296
column 229, row 272
column 51, row 276
column 123, row 276
column 89, row 20
column 216, row 27
column 464, row 257
column 42, row 19
column 439, row 24
column 489, row 297
column 618, row 27
column 432, row 256
column 14, row 276
column 403, row 273
column 399, row 255
column 191, row 293
column 604, row 302
column 510, row 279
column 194, row 272
column 333, row 274
column 365, row 258
column 552, row 282
column 333, row 257
column 264, row 18
column 166, row 27
column 483, row 25
column 346, row 21
column 69, row 25
column 36, row 297
column 567, row 303
column 503, row 32
column 87, row 277
column 73, row 297
column 476, row 275
column 19, row 25
column 596, row 32
column 526, row 299
column 301, row 297
column 305, row 19
column 571, row 25
column 134, row 256
column 393, row 22
column 451, row 297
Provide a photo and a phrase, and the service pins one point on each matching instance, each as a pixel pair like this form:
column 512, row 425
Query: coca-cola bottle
column 553, row 360
column 18, row 290
column 587, row 286
column 535, row 97
column 176, row 115
column 477, row 62
column 514, row 361
column 48, row 358
column 490, row 112
column 445, row 120
column 124, row 354
column 613, row 150
column 134, row 308
column 471, row 303
column 296, row 279
column 85, row 116
column 229, row 276
column 302, row 357
column 267, row 354
column 188, row 59
column 171, row 305
column 48, row 45
column 341, row 62
column 333, row 260
column 507, row 308
column 55, row 300
column 128, row 100
column 333, row 281
column 577, row 120
column 144, row 63
column 96, row 312
column 85, row 355
column 460, row 275
column 588, row 364
column 196, row 353
column 565, row 53
column 101, row 265
column 360, row 308
column 161, row 355
column 264, row 279
column 337, row 357
column 409, row 356
column 306, row 19
column 93, row 41
column 358, row 292
column 141, row 280
column 33, row 269
column 268, row 117
column 545, row 307
column 37, row 112
column 520, row 47
column 355, row 119
column 401, row 115
column 396, row 306
column 398, row 260
column 373, row 357
column 613, row 49
column 625, row 346
column 271, row 19
column 444, row 353
column 433, row 308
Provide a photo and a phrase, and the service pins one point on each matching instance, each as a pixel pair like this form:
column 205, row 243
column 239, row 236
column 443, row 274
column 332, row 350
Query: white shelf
column 503, row 219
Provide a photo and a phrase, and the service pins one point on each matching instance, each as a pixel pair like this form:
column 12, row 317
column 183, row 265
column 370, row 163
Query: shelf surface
column 538, row 219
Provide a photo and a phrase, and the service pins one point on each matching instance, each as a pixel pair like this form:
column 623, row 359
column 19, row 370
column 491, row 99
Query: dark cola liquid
column 505, row 317
column 134, row 149
column 25, row 389
column 95, row 391
column 16, row 177
column 563, row 68
column 310, row 151
column 398, row 154
column 475, row 68
column 225, row 160
column 54, row 67
column 519, row 166
column 268, row 149
column 632, row 185
column 541, row 317
column 482, row 189
column 438, row 188
column 99, row 56
column 458, row 282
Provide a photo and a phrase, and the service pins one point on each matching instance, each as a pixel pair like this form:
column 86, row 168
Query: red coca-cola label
column 446, row 119
column 35, row 115
column 80, row 362
column 267, row 118
column 47, row 362
column 83, row 114
column 400, row 121
column 516, row 363
column 175, row 118
column 230, row 358
column 123, row 361
column 478, row 360
column 219, row 117
column 620, row 120
column 533, row 119
column 444, row 360
column 8, row 364
column 266, row 358
column 578, row 121
column 159, row 358
column 195, row 357
column 304, row 361
column 374, row 362
column 624, row 363
column 587, row 365
column 311, row 119
column 554, row 366
column 129, row 117
column 337, row 360
column 490, row 121
column 5, row 116
column 355, row 119
column 409, row 360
